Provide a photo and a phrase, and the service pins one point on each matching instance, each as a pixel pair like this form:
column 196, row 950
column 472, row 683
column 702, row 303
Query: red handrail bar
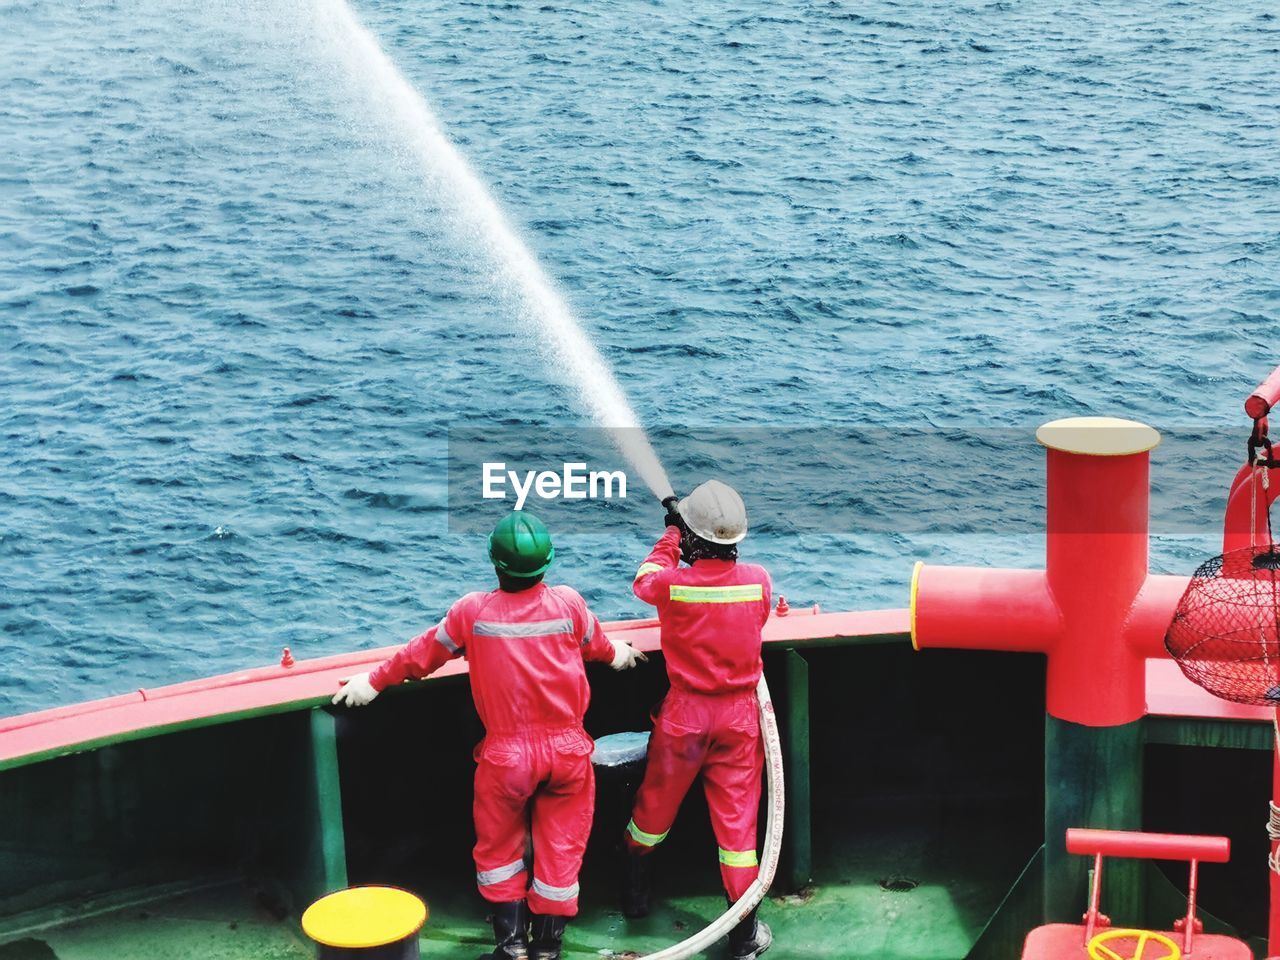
column 1148, row 846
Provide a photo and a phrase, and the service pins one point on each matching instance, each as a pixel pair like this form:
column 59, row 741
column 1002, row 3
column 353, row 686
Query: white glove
column 625, row 655
column 356, row 691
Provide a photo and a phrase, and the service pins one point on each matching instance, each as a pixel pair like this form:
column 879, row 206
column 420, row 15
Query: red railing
column 1146, row 846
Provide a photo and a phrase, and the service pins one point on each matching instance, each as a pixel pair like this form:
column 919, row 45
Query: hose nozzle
column 673, row 518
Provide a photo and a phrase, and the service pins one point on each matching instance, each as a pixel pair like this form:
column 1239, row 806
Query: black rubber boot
column 510, row 930
column 545, row 935
column 750, row 938
column 635, row 885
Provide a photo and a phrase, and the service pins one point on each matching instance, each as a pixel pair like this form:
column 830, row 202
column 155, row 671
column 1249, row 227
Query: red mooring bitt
column 1094, row 610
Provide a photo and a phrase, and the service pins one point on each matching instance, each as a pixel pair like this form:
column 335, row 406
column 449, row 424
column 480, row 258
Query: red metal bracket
column 1147, row 846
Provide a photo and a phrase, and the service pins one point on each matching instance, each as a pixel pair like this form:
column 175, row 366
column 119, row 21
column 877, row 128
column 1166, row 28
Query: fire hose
column 772, row 843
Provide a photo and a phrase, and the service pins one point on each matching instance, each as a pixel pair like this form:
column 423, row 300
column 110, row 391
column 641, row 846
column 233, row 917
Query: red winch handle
column 1148, row 846
column 1259, row 403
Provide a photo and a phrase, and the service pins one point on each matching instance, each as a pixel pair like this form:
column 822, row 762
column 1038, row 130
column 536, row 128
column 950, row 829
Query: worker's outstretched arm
column 420, row 657
column 650, row 582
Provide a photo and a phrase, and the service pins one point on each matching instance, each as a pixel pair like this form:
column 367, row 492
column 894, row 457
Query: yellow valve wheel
column 1098, row 949
column 360, row 918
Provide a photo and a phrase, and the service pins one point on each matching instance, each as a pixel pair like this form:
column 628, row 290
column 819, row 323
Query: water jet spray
column 388, row 101
column 410, row 127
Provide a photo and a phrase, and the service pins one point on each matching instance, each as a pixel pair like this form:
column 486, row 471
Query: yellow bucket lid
column 361, row 917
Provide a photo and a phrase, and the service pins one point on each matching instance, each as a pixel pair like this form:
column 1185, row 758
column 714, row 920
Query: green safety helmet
column 520, row 545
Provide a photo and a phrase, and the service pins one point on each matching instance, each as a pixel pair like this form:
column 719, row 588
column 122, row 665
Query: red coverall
column 711, row 614
column 530, row 689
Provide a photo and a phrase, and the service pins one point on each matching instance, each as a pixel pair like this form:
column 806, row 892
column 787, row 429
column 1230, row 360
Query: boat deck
column 847, row 913
column 918, row 813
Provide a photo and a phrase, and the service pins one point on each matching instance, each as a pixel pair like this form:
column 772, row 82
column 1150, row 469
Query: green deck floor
column 857, row 920
column 221, row 923
column 846, row 914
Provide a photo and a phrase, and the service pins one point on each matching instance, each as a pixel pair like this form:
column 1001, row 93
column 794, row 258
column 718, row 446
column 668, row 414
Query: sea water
column 236, row 331
column 378, row 99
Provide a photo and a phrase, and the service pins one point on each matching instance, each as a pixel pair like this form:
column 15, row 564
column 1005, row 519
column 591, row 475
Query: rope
column 1258, row 469
column 1253, row 503
column 1262, row 473
column 1273, row 831
column 1273, row 818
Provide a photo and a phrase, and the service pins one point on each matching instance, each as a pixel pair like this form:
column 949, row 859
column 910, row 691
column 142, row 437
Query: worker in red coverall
column 526, row 643
column 711, row 613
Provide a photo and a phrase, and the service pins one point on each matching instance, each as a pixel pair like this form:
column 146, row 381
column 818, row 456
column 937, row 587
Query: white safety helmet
column 715, row 512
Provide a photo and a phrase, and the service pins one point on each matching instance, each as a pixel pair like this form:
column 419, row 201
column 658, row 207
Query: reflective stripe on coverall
column 526, row 654
column 711, row 615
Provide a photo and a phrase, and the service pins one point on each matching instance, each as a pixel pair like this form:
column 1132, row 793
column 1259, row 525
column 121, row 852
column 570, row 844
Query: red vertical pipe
column 1096, row 563
column 1095, row 900
column 1189, row 927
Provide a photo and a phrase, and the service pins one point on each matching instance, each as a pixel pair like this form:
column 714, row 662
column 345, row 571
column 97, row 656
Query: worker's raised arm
column 419, row 658
column 767, row 591
column 665, row 555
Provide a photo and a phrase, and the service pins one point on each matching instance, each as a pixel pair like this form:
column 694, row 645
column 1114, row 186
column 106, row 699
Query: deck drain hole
column 899, row 884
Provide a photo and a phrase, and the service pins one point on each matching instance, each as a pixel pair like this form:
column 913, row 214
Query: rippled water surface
column 236, row 330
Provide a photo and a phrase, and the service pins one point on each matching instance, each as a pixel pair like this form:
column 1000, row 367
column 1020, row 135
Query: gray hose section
column 772, row 843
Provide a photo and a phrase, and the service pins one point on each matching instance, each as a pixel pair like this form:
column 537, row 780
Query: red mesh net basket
column 1225, row 634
